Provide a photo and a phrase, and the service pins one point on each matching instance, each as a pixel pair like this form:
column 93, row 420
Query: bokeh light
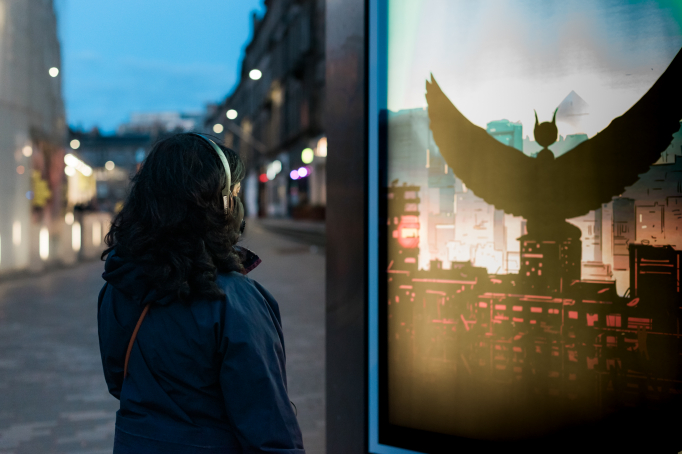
column 255, row 74
column 307, row 155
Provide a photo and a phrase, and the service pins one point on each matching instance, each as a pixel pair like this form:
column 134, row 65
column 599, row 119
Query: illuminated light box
column 525, row 160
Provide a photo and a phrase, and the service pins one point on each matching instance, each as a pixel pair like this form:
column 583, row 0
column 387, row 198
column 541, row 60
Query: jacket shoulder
column 241, row 290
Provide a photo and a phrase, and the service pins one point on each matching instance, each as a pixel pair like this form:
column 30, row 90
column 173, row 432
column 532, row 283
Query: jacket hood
column 128, row 277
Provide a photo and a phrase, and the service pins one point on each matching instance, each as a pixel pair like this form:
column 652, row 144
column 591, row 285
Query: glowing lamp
column 307, row 155
column 255, row 74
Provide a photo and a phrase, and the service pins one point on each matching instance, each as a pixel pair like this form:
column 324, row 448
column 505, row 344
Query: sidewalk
column 308, row 232
column 53, row 398
column 295, row 275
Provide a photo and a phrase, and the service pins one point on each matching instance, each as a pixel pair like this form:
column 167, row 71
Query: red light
column 263, row 178
column 408, row 232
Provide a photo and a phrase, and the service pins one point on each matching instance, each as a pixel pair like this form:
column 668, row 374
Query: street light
column 231, row 114
column 255, row 74
column 110, row 165
column 218, row 128
column 75, row 144
column 27, row 151
column 54, row 72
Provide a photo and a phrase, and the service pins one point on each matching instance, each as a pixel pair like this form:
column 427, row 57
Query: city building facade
column 273, row 117
column 32, row 127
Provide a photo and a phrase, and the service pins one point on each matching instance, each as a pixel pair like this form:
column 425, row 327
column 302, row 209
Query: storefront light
column 44, row 243
column 302, row 172
column 109, row 165
column 76, row 237
column 307, row 156
column 273, row 169
column 321, row 149
column 75, row 144
column 294, row 174
column 70, row 171
column 16, row 233
column 72, row 161
column 27, row 151
column 218, row 128
column 69, row 218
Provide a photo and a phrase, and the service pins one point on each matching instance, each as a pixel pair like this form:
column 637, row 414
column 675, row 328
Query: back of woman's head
column 173, row 221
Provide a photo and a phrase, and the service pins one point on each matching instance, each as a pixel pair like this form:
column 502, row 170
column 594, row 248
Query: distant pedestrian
column 205, row 372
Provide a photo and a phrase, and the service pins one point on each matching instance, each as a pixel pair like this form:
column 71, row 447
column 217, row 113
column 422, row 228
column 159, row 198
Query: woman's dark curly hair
column 173, row 221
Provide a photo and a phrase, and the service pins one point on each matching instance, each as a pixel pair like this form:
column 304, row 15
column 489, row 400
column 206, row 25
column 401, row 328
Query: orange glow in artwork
column 409, row 232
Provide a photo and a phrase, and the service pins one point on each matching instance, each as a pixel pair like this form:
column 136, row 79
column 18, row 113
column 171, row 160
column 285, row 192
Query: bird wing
column 501, row 175
column 603, row 166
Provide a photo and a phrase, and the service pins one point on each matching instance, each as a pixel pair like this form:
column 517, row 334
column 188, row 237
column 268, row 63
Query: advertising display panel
column 525, row 223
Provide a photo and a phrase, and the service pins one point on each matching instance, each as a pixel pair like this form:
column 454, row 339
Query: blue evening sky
column 123, row 56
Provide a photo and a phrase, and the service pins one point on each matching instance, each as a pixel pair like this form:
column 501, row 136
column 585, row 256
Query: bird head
column 546, row 133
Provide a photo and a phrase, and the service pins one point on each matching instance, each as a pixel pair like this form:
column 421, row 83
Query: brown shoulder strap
column 132, row 340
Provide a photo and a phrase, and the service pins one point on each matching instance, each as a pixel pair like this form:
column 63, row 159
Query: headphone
column 227, row 200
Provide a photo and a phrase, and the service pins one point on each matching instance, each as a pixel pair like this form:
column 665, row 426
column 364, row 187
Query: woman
column 205, row 372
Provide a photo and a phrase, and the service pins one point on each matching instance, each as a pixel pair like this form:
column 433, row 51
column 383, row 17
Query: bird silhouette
column 547, row 190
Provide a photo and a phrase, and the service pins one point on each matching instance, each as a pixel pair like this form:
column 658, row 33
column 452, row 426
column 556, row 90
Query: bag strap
column 132, row 339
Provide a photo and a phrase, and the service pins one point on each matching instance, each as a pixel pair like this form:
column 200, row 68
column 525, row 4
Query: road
column 53, row 398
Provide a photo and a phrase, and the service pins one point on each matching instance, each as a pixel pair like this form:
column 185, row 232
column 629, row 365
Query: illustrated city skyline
column 457, row 226
column 479, row 345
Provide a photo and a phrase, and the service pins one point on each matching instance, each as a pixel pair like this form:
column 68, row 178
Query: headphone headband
column 223, row 159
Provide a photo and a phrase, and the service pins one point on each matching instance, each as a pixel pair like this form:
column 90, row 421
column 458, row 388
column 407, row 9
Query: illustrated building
column 403, row 226
column 508, row 132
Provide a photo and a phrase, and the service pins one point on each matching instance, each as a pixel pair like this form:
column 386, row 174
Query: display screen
column 528, row 217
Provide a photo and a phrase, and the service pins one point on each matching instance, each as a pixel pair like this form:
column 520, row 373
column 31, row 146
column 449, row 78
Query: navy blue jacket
column 203, row 377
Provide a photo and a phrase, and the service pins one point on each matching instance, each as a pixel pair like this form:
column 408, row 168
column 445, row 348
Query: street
column 53, row 398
